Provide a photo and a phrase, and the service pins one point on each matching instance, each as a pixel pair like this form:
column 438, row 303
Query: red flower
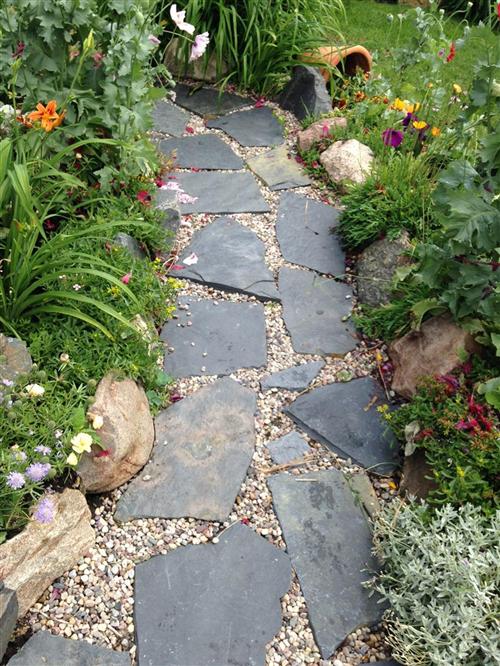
column 144, row 197
column 260, row 102
column 175, row 397
column 104, row 453
column 452, row 53
column 189, row 129
column 19, row 50
column 159, row 182
column 498, row 11
column 245, row 521
column 176, row 267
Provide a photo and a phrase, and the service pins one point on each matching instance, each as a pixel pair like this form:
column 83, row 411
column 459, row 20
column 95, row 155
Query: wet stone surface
column 255, row 127
column 305, row 230
column 314, row 309
column 214, row 338
column 329, row 542
column 204, row 151
column 222, row 193
column 231, row 258
column 344, row 417
column 211, row 605
column 204, row 445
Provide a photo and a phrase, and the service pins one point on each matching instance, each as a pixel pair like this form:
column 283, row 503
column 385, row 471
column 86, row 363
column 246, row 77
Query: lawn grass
column 366, row 23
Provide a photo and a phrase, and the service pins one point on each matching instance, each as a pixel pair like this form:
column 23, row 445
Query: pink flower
column 178, row 19
column 104, row 453
column 260, row 103
column 98, row 57
column 154, row 40
column 126, row 278
column 186, row 198
column 325, row 129
column 144, row 197
column 200, row 46
column 189, row 129
column 159, row 182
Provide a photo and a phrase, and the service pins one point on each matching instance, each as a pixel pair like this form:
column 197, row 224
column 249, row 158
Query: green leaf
column 491, row 391
column 78, row 420
column 425, row 306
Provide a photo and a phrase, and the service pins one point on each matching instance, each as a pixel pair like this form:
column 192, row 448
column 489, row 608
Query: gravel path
column 95, row 601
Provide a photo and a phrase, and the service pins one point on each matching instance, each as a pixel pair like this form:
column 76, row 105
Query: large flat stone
column 287, row 448
column 8, row 616
column 313, row 309
column 305, row 230
column 211, row 605
column 329, row 542
column 344, row 417
column 296, row 378
column 208, row 101
column 204, row 151
column 277, row 170
column 44, row 649
column 255, row 127
column 203, row 447
column 232, row 335
column 230, row 257
column 222, row 193
column 168, row 118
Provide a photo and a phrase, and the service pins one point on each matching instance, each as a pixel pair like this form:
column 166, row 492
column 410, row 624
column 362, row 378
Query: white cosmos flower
column 178, row 19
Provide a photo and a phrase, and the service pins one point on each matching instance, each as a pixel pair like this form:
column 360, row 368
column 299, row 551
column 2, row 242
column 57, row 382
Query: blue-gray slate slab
column 329, row 542
column 203, row 447
column 8, row 616
column 255, row 127
column 223, row 337
column 231, row 257
column 208, row 101
column 291, row 446
column 166, row 201
column 278, row 170
column 344, row 417
column 296, row 378
column 44, row 649
column 306, row 234
column 211, row 605
column 317, row 312
column 168, row 118
column 203, row 151
column 222, row 193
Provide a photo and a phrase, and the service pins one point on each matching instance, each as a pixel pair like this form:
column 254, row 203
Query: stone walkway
column 247, row 532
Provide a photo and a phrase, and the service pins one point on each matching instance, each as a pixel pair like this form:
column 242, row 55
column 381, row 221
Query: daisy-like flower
column 179, row 19
column 199, row 46
column 15, row 480
column 35, row 390
column 38, row 471
column 81, row 442
column 45, row 510
column 419, row 124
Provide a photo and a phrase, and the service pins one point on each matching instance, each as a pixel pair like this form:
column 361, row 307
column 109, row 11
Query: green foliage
column 256, row 42
column 480, row 10
column 396, row 197
column 440, row 577
column 460, row 435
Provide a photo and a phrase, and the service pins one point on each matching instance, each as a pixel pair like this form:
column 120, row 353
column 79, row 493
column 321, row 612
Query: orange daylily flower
column 47, row 115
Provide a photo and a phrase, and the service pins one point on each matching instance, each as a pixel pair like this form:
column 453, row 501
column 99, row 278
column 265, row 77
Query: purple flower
column 15, row 480
column 199, row 46
column 44, row 450
column 409, row 118
column 38, row 471
column 392, row 137
column 45, row 510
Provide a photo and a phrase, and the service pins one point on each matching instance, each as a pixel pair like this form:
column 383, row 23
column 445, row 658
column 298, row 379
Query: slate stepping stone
column 222, row 193
column 296, row 378
column 362, row 488
column 44, row 649
column 208, row 101
column 277, row 170
column 166, row 201
column 344, row 417
column 8, row 616
column 255, row 127
column 224, row 337
column 287, row 448
column 313, row 309
column 305, row 234
column 231, row 258
column 204, row 445
column 168, row 118
column 205, row 151
column 211, row 605
column 329, row 542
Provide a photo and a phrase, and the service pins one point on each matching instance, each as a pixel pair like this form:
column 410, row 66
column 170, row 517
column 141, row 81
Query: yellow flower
column 419, row 124
column 382, row 409
column 412, row 108
column 460, row 472
column 430, row 84
column 378, row 357
column 35, row 390
column 398, row 104
column 435, row 131
column 81, row 442
column 96, row 420
column 72, row 459
column 457, row 89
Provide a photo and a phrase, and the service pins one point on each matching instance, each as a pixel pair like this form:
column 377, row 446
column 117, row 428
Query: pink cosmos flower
column 200, row 46
column 178, row 19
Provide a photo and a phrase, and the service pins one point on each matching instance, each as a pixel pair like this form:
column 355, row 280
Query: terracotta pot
column 352, row 57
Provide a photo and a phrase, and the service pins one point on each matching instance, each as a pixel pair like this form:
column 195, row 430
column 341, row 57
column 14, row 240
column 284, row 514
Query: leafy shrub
column 440, row 577
column 260, row 41
column 396, row 197
column 460, row 435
